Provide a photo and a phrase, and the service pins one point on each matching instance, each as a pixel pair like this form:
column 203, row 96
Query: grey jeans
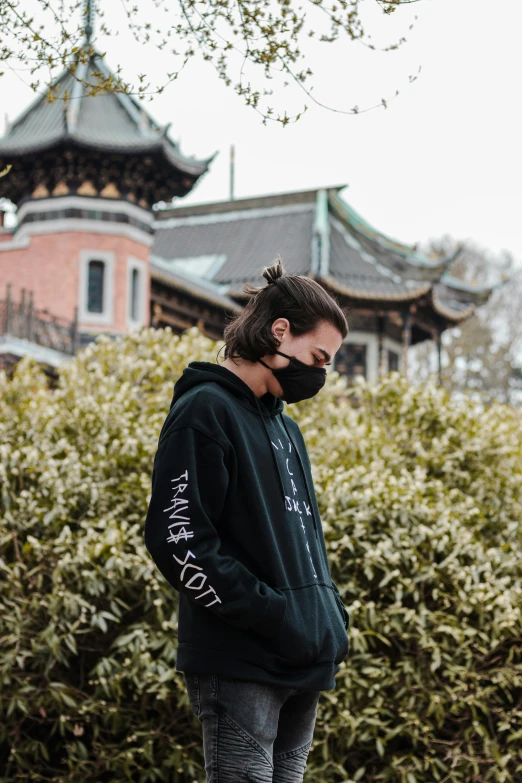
column 252, row 732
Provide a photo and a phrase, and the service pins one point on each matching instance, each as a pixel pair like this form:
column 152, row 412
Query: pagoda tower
column 84, row 173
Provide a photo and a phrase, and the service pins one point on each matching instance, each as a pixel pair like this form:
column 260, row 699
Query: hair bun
column 273, row 273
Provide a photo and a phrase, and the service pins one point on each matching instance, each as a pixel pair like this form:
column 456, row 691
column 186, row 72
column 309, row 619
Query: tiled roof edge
column 447, row 312
column 229, row 217
column 411, row 256
column 369, row 295
column 179, row 282
column 476, row 293
column 246, row 203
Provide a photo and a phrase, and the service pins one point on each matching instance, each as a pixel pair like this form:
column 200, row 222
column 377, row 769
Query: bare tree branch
column 269, row 35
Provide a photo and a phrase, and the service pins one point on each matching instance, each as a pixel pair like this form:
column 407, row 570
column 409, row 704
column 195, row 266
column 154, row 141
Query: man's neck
column 252, row 373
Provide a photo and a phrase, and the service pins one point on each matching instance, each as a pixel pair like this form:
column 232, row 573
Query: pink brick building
column 83, row 176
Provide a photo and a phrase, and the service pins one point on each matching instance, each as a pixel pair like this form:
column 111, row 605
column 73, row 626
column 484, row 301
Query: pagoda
column 85, row 170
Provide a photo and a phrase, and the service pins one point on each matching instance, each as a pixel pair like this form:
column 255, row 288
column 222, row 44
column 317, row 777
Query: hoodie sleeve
column 189, row 485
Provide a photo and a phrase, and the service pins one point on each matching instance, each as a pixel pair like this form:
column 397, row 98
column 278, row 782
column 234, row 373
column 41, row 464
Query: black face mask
column 299, row 381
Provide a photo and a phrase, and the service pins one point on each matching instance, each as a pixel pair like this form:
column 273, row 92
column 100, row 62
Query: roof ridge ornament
column 81, row 70
column 164, row 129
column 89, row 21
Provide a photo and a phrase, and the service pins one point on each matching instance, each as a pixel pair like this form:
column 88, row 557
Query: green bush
column 421, row 505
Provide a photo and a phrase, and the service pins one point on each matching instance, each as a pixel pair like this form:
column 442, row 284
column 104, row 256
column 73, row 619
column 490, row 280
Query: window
column 393, row 361
column 350, row 360
column 95, row 281
column 96, row 287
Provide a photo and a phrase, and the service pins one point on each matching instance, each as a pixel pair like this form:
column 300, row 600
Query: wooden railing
column 21, row 319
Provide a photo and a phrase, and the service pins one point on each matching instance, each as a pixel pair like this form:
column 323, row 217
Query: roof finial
column 89, row 20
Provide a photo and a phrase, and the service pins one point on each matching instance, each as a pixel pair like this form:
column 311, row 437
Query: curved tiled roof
column 250, row 239
column 362, row 274
column 319, row 236
column 398, row 257
column 110, row 121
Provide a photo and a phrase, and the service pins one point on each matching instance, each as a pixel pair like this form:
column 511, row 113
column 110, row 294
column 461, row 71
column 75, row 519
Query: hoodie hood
column 206, row 372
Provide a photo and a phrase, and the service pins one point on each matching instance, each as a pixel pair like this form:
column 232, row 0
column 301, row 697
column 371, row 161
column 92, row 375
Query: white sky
column 444, row 158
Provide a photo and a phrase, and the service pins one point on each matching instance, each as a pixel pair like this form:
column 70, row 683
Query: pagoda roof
column 107, row 121
column 318, row 235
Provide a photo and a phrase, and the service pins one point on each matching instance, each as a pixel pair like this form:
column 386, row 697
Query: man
column 233, row 525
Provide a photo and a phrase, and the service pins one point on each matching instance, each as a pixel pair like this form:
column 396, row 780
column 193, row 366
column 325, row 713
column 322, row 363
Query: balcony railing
column 21, row 319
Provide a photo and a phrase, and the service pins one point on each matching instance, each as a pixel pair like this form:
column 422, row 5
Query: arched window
column 95, row 286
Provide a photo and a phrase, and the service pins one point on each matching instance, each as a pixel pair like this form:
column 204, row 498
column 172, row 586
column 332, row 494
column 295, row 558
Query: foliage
column 421, row 506
column 270, row 37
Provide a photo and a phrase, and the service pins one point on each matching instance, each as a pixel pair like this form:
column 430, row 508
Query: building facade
column 395, row 296
column 90, row 255
column 83, row 174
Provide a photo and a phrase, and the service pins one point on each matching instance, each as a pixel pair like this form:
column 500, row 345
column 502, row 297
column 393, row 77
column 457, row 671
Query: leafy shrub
column 421, row 505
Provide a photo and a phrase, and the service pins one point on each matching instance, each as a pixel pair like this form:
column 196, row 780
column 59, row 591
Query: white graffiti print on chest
column 294, row 503
column 180, row 530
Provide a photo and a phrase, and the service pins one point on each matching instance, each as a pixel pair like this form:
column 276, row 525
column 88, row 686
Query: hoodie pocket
column 342, row 609
column 313, row 630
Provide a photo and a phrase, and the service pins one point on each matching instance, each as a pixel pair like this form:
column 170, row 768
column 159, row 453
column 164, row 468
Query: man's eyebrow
column 325, row 354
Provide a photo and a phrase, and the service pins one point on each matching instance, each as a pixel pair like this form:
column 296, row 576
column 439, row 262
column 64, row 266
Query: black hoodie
column 233, row 525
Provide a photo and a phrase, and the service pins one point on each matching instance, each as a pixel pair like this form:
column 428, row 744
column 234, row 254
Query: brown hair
column 300, row 299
